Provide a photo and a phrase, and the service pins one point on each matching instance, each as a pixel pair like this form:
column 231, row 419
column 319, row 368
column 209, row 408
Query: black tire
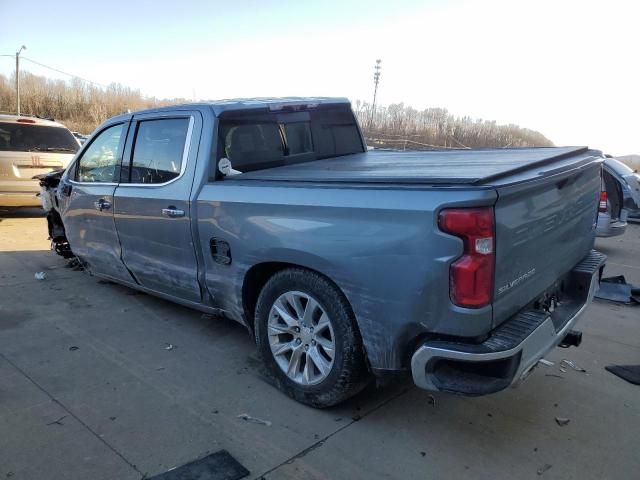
column 349, row 373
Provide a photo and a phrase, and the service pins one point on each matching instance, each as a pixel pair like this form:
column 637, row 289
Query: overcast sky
column 570, row 69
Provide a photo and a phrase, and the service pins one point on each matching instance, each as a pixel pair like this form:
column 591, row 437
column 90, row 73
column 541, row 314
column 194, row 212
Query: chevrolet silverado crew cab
column 30, row 146
column 463, row 268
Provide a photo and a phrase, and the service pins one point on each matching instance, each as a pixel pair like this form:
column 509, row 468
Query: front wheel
column 307, row 335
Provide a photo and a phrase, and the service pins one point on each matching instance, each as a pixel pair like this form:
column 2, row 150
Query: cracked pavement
column 89, row 389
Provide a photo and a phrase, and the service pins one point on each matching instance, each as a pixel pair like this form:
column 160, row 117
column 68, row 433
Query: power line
column 60, row 71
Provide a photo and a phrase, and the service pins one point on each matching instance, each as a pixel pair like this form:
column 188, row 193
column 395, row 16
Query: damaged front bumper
column 513, row 349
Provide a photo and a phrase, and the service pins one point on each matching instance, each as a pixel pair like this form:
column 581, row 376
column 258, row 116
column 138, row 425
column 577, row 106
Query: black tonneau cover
column 432, row 167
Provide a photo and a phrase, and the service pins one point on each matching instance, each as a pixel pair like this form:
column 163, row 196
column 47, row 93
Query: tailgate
column 544, row 227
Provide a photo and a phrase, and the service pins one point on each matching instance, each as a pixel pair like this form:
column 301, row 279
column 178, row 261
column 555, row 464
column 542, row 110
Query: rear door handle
column 102, row 204
column 172, row 212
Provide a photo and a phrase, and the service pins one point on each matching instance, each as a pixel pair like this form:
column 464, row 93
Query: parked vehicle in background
column 463, row 267
column 30, row 146
column 630, row 188
column 620, row 196
column 80, row 137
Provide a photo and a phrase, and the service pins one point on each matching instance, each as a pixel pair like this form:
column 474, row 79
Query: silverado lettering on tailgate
column 516, row 281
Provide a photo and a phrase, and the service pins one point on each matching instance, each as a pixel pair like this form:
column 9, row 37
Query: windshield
column 255, row 140
column 20, row 137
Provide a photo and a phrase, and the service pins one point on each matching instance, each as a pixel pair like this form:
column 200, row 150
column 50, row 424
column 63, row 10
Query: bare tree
column 83, row 106
column 400, row 126
column 78, row 104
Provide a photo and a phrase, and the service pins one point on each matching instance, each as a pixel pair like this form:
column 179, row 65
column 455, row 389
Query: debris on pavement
column 58, row 421
column 570, row 364
column 219, row 465
column 555, row 375
column 248, row 418
column 169, row 346
column 563, row 422
column 630, row 373
column 617, row 290
column 73, row 348
column 75, row 265
column 40, row 275
column 431, row 400
column 546, row 363
column 544, row 468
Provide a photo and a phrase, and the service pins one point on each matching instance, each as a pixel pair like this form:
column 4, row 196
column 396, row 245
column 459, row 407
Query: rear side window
column 158, row 150
column 25, row 137
column 100, row 161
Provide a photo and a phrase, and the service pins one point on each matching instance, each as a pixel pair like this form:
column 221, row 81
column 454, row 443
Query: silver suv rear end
column 30, row 146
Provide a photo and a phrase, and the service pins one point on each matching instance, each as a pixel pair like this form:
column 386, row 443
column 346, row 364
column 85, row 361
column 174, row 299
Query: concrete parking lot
column 98, row 381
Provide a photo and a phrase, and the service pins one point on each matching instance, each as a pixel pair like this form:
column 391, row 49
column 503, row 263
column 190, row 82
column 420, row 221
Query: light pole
column 376, row 79
column 18, row 77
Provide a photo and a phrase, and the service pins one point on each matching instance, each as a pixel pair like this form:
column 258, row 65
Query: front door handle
column 172, row 212
column 102, row 204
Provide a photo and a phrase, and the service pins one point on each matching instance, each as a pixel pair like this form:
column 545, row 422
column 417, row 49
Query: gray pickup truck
column 463, row 267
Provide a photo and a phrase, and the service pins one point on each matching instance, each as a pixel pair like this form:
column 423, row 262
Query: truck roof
column 440, row 167
column 272, row 103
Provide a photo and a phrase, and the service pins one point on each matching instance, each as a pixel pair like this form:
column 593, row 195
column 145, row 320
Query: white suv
column 30, row 146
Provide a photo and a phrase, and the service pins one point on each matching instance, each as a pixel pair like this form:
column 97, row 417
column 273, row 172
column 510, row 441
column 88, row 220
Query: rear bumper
column 19, row 193
column 19, row 199
column 513, row 349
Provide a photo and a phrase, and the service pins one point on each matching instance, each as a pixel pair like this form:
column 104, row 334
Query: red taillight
column 602, row 206
column 471, row 276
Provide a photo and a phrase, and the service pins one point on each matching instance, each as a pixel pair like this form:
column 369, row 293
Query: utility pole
column 18, row 78
column 376, row 80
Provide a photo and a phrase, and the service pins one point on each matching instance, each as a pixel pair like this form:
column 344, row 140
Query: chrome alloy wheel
column 301, row 338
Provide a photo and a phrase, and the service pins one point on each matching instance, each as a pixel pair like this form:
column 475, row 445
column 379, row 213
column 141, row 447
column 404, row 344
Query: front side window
column 100, row 161
column 158, row 150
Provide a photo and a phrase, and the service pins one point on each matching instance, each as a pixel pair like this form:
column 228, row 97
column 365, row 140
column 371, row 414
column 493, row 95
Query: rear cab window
column 259, row 139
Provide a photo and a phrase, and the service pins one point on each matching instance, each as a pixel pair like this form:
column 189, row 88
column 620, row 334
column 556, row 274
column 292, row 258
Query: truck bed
column 457, row 167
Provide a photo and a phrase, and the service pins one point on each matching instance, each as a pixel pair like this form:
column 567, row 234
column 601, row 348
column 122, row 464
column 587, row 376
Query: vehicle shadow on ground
column 21, row 212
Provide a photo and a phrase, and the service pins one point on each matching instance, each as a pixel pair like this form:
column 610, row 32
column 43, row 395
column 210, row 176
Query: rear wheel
column 307, row 335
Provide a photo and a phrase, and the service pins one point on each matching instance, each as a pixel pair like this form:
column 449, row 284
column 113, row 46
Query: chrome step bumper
column 513, row 349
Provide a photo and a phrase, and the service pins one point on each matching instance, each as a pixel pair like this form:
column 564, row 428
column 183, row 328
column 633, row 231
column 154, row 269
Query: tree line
column 82, row 106
column 404, row 127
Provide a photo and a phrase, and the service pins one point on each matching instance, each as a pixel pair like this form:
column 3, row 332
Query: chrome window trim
column 185, row 154
column 74, row 182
